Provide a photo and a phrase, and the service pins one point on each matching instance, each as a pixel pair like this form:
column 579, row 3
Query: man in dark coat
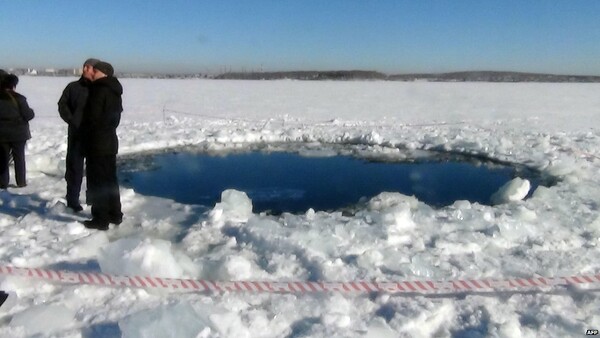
column 15, row 115
column 3, row 295
column 101, row 117
column 70, row 108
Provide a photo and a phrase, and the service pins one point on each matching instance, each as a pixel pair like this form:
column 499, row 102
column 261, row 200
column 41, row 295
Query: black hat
column 91, row 62
column 105, row 68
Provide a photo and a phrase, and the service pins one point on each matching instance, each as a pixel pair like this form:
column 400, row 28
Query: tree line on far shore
column 470, row 76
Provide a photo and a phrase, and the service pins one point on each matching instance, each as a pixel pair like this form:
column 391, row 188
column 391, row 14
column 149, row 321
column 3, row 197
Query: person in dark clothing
column 15, row 115
column 101, row 117
column 70, row 107
column 3, row 295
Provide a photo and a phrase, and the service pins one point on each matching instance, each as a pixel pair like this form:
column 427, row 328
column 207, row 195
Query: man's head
column 103, row 69
column 9, row 81
column 88, row 68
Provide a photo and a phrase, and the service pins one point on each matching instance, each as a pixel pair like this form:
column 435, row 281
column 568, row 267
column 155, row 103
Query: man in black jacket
column 101, row 117
column 70, row 108
column 15, row 115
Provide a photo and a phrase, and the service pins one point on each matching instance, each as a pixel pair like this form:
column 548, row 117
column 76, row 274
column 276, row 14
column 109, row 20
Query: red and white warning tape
column 192, row 285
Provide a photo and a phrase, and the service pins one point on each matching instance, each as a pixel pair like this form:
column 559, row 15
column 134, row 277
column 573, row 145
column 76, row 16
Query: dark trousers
column 74, row 168
column 18, row 153
column 103, row 187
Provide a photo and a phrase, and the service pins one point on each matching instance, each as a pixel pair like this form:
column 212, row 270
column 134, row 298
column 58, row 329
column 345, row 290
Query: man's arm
column 26, row 112
column 64, row 108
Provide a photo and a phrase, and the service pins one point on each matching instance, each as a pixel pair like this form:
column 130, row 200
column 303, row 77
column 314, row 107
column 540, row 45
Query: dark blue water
column 279, row 182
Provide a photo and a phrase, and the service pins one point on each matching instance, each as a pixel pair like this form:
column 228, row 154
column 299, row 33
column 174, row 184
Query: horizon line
column 50, row 70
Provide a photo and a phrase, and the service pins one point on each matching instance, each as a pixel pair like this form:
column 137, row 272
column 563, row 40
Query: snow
column 556, row 232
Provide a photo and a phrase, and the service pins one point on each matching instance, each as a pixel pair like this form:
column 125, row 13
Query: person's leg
column 74, row 171
column 18, row 153
column 97, row 192
column 4, row 159
column 114, row 196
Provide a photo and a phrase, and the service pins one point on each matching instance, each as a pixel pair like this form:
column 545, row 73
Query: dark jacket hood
column 111, row 82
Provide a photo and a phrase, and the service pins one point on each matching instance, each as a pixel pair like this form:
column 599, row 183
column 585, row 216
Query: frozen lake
column 551, row 128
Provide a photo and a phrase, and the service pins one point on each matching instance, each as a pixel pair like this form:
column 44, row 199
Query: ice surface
column 235, row 206
column 44, row 319
column 515, row 190
column 171, row 321
column 549, row 127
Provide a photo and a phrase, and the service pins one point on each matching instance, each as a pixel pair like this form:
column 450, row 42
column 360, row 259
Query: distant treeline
column 474, row 76
column 306, row 75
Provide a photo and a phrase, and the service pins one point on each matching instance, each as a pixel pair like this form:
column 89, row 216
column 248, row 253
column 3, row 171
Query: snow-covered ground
column 552, row 127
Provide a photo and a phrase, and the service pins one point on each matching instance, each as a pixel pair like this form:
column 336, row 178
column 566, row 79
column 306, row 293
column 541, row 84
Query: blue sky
column 391, row 36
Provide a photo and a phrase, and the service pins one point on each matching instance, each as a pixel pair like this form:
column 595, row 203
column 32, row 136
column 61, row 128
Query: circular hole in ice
column 324, row 178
